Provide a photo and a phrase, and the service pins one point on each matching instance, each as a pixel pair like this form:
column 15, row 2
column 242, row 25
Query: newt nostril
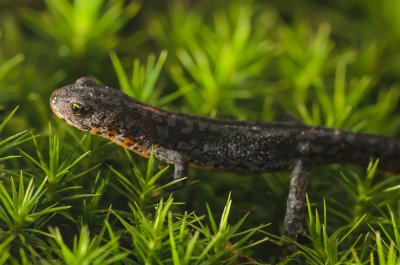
column 54, row 100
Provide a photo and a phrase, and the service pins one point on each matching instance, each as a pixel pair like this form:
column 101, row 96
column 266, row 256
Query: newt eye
column 78, row 109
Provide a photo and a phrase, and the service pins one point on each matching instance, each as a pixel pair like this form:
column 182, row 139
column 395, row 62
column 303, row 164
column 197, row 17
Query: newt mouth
column 60, row 115
column 54, row 105
column 57, row 112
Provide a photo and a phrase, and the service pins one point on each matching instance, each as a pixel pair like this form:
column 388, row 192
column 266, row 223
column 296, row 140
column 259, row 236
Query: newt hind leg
column 296, row 201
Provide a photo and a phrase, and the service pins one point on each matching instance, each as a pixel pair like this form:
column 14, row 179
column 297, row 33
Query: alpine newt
column 217, row 144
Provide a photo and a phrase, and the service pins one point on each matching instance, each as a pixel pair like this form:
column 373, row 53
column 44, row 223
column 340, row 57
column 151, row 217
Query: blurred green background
column 331, row 63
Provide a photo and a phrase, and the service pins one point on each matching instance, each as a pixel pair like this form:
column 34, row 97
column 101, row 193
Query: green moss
column 67, row 197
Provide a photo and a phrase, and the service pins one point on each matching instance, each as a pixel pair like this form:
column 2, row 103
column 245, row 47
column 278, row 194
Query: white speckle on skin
column 303, row 148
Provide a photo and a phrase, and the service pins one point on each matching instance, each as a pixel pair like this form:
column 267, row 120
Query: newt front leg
column 181, row 171
column 181, row 166
column 296, row 201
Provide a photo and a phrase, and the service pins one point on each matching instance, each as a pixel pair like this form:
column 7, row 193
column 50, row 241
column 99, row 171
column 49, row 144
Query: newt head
column 86, row 104
column 102, row 111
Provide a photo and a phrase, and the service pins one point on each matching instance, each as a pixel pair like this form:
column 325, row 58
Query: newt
column 186, row 140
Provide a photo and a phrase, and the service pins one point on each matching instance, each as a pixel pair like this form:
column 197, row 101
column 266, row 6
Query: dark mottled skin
column 237, row 146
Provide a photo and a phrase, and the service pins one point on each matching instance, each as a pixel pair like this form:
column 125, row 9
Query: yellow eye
column 78, row 109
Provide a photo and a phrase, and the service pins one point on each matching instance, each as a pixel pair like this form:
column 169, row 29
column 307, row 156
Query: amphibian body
column 238, row 146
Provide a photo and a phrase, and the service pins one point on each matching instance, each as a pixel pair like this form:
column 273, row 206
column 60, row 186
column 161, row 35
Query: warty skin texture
column 238, row 146
column 215, row 143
